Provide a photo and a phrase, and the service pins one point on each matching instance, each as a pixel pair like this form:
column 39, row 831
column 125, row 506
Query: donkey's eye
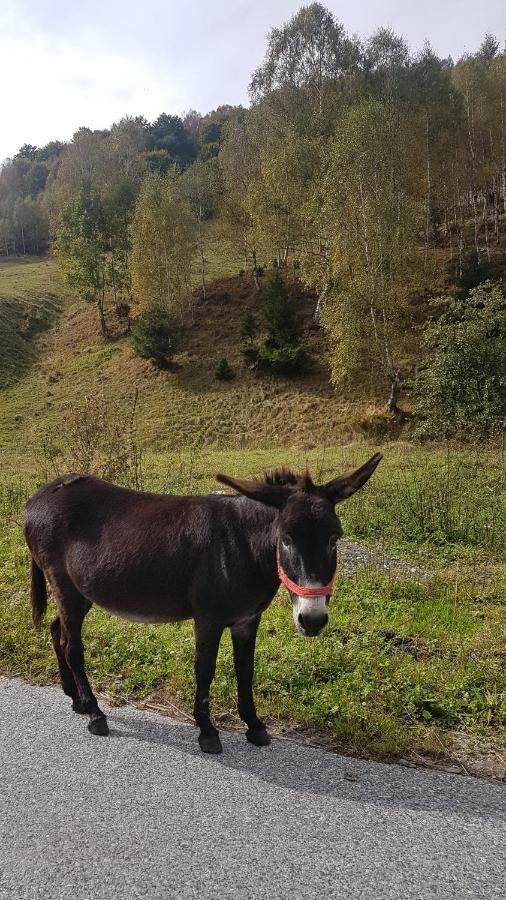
column 333, row 539
column 287, row 542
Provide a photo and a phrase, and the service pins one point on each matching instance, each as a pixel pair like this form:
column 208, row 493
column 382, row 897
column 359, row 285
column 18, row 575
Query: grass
column 405, row 661
column 397, row 666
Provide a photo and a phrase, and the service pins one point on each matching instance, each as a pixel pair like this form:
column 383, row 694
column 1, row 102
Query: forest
column 373, row 176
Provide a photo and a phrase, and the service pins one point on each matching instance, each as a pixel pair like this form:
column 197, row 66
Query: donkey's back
column 85, row 508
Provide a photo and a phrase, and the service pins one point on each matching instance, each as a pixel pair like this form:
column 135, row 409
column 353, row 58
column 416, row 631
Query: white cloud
column 64, row 64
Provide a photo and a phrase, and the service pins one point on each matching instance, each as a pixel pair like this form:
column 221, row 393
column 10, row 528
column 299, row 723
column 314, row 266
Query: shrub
column 224, row 371
column 96, row 435
column 285, row 361
column 462, row 390
column 154, row 337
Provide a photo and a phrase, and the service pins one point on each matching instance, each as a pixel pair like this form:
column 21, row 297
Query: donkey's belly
column 148, row 616
column 171, row 611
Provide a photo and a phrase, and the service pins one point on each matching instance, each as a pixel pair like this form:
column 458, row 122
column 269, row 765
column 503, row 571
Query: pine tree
column 280, row 319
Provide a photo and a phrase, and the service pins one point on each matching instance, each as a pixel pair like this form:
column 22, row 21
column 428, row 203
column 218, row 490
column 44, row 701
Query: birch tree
column 372, row 225
column 162, row 246
column 310, row 53
column 200, row 185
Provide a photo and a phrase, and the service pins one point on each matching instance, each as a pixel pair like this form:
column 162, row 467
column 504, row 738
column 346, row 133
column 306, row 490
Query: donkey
column 217, row 559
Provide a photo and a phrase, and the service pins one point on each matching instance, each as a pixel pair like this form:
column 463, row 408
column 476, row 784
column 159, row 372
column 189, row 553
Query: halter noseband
column 307, row 593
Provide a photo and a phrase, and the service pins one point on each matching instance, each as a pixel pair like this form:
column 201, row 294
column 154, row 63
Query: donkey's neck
column 263, row 529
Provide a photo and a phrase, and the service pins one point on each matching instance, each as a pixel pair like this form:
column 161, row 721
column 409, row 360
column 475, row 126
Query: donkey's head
column 307, row 533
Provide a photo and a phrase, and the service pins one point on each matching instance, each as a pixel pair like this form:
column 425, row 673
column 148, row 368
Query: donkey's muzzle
column 311, row 625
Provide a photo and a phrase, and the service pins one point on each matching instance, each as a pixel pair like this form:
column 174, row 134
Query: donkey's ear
column 343, row 487
column 270, row 494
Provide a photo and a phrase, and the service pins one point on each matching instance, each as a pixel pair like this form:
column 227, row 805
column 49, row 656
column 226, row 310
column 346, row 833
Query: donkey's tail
column 38, row 594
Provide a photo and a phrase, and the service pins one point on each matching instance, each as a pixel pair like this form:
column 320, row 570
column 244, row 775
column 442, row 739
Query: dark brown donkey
column 217, row 559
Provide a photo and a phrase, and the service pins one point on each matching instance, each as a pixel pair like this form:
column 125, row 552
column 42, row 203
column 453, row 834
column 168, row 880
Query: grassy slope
column 30, row 301
column 187, row 403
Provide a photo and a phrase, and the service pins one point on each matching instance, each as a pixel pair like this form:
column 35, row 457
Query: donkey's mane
column 285, row 476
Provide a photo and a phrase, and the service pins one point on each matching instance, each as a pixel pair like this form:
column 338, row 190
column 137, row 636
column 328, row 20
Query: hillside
column 176, row 407
column 30, row 302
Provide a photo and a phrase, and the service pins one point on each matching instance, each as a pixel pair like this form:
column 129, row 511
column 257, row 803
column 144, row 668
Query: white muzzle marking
column 308, row 607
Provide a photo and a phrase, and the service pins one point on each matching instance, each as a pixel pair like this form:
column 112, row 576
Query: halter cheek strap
column 306, row 593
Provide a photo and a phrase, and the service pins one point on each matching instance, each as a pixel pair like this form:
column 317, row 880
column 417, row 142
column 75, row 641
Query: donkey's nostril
column 312, row 625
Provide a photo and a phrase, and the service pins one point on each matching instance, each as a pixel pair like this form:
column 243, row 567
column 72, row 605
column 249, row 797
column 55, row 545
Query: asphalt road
column 144, row 814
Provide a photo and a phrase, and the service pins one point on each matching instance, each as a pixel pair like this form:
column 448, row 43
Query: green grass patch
column 402, row 663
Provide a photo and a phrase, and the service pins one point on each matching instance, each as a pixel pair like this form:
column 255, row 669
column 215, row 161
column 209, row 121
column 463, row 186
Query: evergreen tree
column 154, row 337
column 281, row 353
column 279, row 314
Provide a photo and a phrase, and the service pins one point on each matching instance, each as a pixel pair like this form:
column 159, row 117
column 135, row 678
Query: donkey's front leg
column 244, row 638
column 207, row 642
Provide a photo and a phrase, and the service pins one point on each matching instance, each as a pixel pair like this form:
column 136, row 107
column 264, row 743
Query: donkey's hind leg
column 73, row 608
column 207, row 642
column 67, row 679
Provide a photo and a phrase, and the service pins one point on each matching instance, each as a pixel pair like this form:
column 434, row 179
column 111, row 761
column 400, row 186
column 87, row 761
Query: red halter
column 306, row 592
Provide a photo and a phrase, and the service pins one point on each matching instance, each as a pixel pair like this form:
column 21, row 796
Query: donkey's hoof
column 260, row 738
column 79, row 707
column 210, row 743
column 98, row 726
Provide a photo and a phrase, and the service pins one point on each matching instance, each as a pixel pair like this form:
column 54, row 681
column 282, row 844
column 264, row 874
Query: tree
column 224, row 371
column 88, row 158
column 480, row 80
column 169, row 134
column 209, row 131
column 128, row 139
column 309, row 54
column 30, row 227
column 201, row 187
column 287, row 163
column 81, row 249
column 431, row 96
column 281, row 353
column 162, row 245
column 238, row 162
column 154, row 337
column 118, row 212
column 279, row 314
column 371, row 222
column 462, row 388
column 386, row 67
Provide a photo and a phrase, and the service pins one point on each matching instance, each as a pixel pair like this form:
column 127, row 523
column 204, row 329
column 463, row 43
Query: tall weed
column 446, row 499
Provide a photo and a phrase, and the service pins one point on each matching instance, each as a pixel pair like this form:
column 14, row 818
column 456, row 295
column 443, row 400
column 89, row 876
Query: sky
column 66, row 63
